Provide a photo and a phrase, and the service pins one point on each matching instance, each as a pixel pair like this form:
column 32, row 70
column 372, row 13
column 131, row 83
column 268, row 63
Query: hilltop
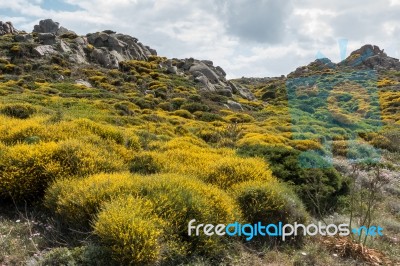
column 111, row 149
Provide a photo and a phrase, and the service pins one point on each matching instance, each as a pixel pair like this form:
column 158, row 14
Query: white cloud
column 245, row 37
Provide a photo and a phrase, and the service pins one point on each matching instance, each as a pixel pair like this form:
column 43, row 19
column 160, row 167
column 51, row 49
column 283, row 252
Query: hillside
column 108, row 150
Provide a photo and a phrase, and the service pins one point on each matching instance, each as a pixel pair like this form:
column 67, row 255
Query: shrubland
column 115, row 171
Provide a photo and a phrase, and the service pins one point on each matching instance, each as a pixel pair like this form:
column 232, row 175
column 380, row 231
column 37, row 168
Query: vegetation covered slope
column 114, row 162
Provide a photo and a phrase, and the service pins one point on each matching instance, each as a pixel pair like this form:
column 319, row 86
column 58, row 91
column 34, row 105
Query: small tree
column 368, row 178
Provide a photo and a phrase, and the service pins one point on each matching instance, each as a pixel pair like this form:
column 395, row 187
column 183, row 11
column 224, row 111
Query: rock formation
column 7, row 28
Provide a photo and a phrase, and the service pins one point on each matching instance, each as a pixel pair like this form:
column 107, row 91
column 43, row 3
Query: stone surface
column 225, row 92
column 7, row 28
column 23, row 38
column 49, row 26
column 205, row 70
column 46, row 26
column 47, row 38
column 83, row 82
column 234, row 105
column 43, row 50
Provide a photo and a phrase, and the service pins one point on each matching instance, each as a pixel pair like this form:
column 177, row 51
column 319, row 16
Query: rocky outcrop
column 49, row 26
column 210, row 77
column 322, row 65
column 7, row 28
column 111, row 48
column 106, row 48
column 370, row 57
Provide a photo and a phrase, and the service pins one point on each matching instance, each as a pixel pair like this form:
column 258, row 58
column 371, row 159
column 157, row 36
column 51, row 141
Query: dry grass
column 345, row 247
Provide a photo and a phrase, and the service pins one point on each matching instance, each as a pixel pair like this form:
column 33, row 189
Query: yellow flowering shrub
column 104, row 131
column 228, row 171
column 262, row 139
column 77, row 200
column 305, row 144
column 81, row 158
column 192, row 157
column 129, row 227
column 14, row 130
column 178, row 199
column 25, row 170
column 239, row 118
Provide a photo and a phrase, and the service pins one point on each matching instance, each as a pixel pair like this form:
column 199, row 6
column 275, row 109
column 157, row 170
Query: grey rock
column 109, row 31
column 152, row 51
column 83, row 82
column 220, row 71
column 104, row 58
column 209, row 63
column 47, row 38
column 118, row 57
column 186, row 64
column 49, row 26
column 46, row 26
column 98, row 39
column 81, row 41
column 205, row 70
column 172, row 70
column 65, row 47
column 207, row 85
column 63, row 31
column 23, row 38
column 114, row 48
column 227, row 91
column 7, row 28
column 234, row 105
column 43, row 50
column 242, row 91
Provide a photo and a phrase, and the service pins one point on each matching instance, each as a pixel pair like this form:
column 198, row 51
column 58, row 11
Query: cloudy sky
column 245, row 37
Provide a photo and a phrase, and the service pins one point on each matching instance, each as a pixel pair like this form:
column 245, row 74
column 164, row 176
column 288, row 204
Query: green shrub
column 166, row 106
column 85, row 255
column 322, row 185
column 268, row 202
column 18, row 110
column 177, row 102
column 129, row 226
column 124, row 109
column 144, row 163
column 194, row 107
column 210, row 136
column 183, row 113
column 209, row 117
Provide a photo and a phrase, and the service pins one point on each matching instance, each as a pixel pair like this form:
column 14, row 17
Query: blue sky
column 58, row 5
column 245, row 37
